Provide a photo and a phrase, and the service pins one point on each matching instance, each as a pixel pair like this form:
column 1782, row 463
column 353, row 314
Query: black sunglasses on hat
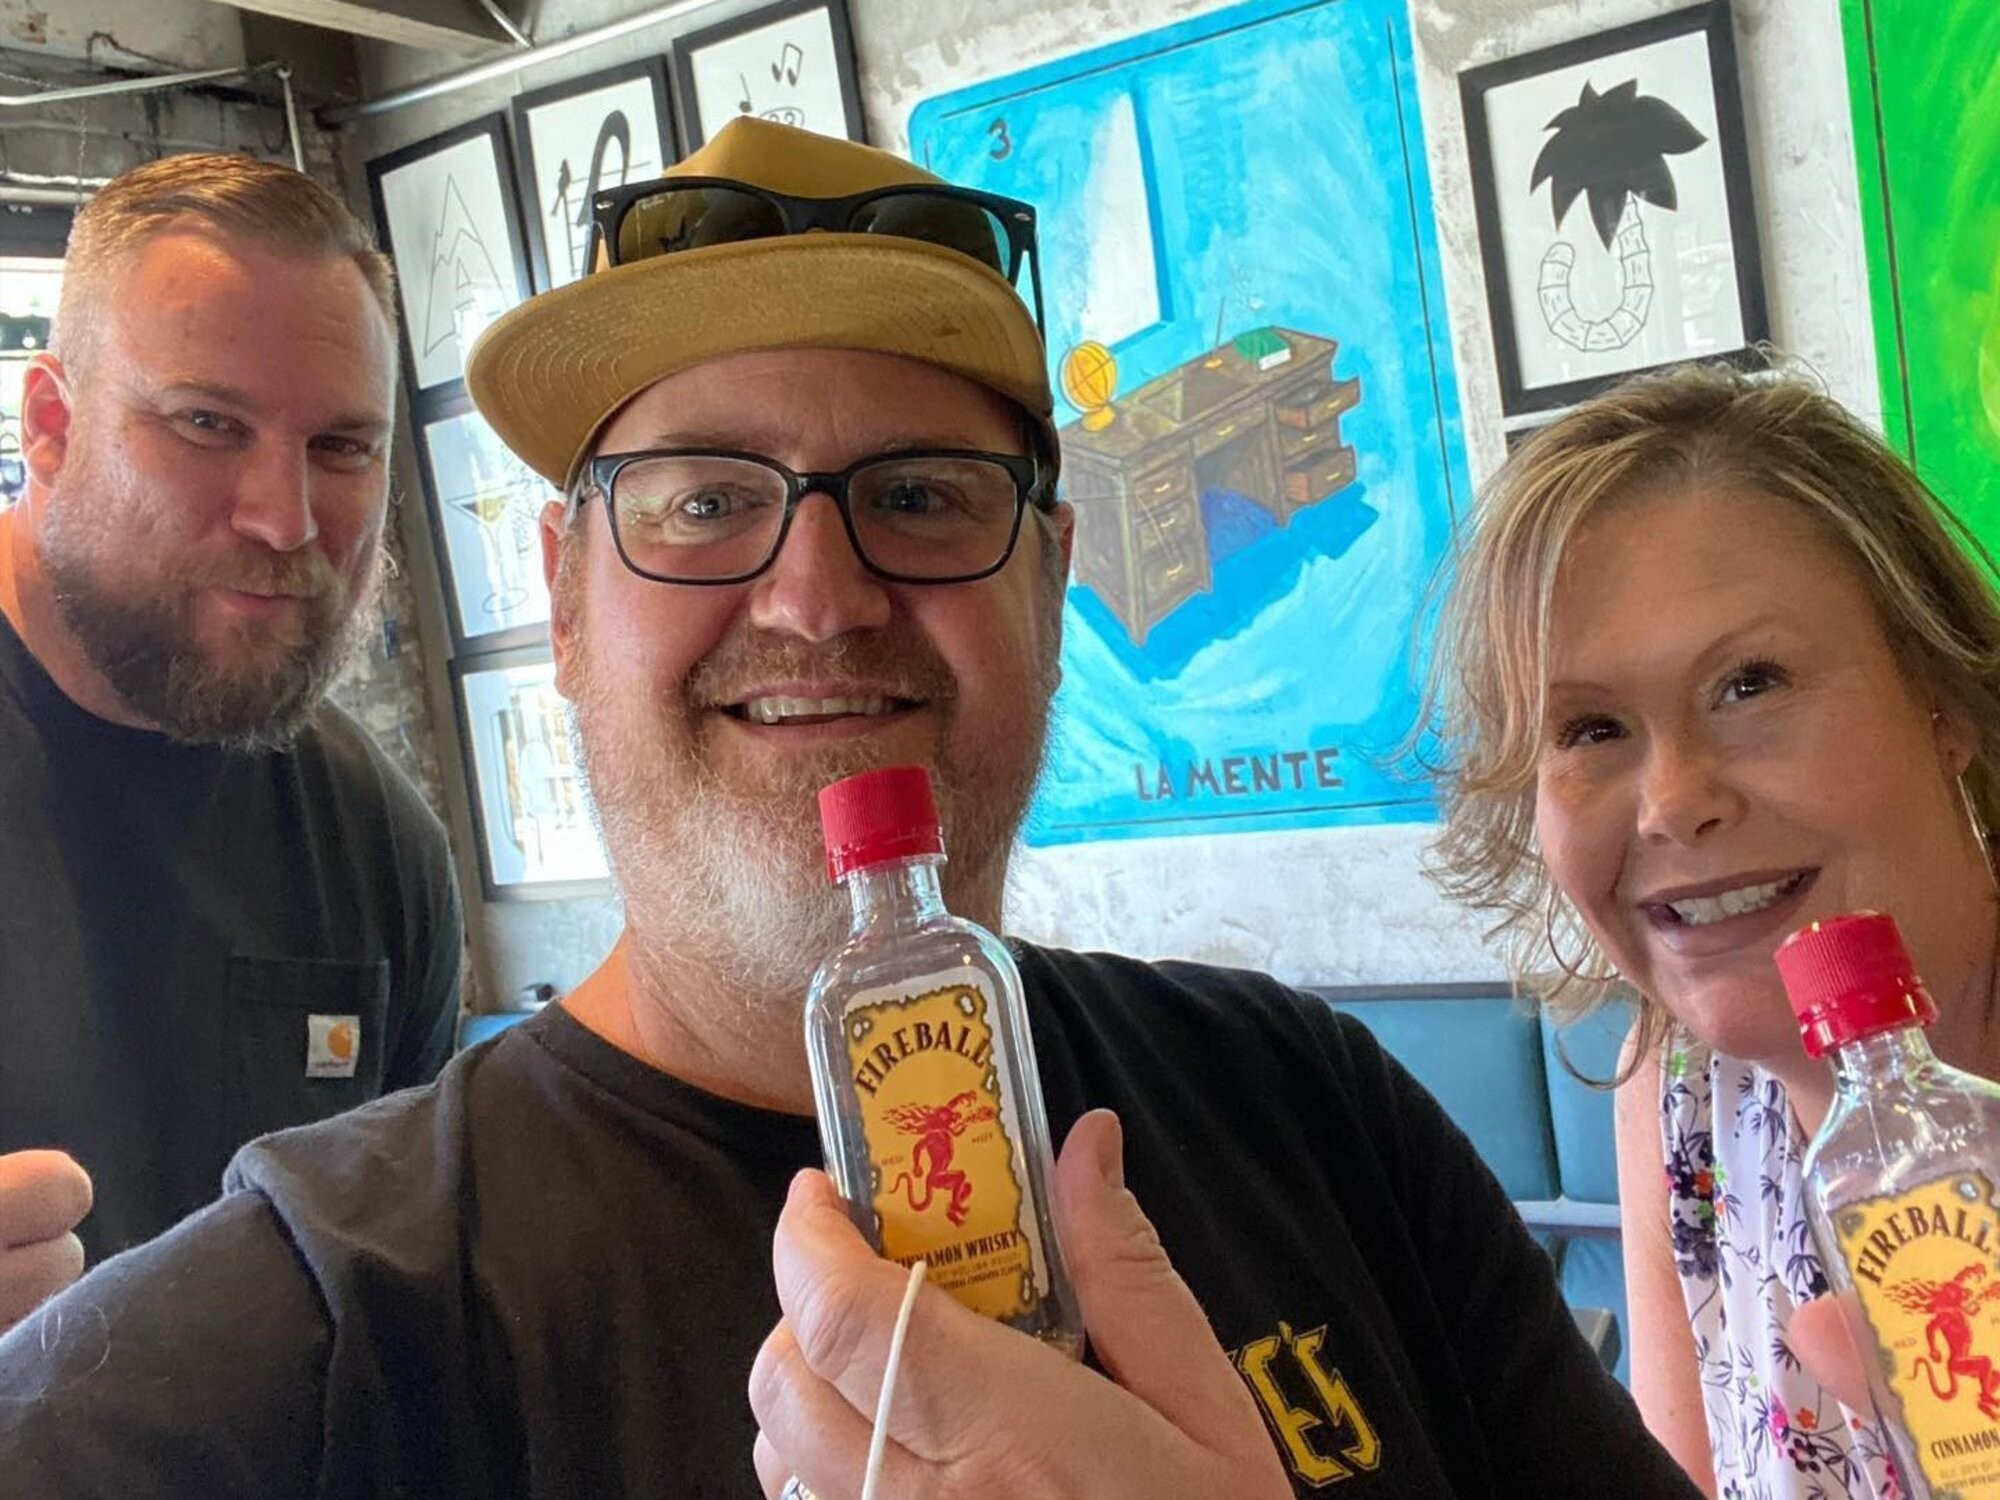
column 644, row 220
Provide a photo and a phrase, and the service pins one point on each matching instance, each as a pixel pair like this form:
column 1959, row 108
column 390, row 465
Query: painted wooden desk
column 1266, row 428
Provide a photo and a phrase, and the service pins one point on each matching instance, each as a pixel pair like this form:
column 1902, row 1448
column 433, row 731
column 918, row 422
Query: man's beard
column 732, row 879
column 147, row 651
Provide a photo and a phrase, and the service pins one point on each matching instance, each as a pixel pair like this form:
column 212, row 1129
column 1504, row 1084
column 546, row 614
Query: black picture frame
column 445, row 235
column 548, row 791
column 484, row 506
column 689, row 71
column 1721, row 195
column 38, row 230
column 618, row 88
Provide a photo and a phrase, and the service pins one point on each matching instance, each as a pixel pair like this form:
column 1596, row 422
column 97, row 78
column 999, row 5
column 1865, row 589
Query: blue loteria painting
column 1259, row 415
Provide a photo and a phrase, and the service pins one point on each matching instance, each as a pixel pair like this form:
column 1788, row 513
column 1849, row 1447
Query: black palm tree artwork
column 1612, row 149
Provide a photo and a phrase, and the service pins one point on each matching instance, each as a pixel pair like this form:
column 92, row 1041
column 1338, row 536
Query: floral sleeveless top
column 1745, row 1256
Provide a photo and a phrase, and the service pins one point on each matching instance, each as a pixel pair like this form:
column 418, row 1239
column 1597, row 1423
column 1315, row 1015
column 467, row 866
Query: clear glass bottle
column 1899, row 1187
column 930, row 1109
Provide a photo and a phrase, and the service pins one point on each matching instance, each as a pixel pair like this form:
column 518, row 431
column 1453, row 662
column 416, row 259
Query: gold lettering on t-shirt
column 1352, row 1435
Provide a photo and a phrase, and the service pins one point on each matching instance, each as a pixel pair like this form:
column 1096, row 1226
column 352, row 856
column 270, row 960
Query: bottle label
column 937, row 1114
column 1926, row 1263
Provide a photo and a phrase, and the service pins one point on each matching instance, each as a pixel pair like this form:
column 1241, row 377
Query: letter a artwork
column 944, row 1186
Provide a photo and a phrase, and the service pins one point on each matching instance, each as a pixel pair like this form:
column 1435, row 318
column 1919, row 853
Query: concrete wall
column 177, row 35
column 1330, row 907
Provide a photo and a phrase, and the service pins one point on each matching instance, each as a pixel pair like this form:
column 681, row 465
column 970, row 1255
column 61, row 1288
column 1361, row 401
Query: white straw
column 879, row 1441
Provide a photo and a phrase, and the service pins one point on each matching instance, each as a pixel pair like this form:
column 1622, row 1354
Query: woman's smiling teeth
column 780, row 710
column 1700, row 911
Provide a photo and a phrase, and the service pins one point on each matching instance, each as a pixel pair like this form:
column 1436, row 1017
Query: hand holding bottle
column 979, row 1410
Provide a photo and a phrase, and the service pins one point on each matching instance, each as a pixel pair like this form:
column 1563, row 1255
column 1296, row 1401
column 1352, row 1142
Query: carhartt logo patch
column 333, row 1046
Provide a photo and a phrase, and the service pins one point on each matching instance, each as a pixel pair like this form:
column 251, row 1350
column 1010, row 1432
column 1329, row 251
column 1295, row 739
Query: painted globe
column 1089, row 376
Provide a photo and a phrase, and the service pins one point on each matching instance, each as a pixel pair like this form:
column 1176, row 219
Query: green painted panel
column 1924, row 78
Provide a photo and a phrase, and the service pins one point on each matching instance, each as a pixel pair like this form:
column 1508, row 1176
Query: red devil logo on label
column 1948, row 1335
column 935, row 1126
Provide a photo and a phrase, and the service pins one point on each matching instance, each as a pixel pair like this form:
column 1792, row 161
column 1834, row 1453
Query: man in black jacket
column 803, row 420
column 222, row 910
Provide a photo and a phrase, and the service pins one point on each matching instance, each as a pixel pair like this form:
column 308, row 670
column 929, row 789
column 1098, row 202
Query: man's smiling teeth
column 777, row 710
column 1699, row 911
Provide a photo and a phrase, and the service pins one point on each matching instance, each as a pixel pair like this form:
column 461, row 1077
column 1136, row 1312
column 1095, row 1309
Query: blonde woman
column 1715, row 664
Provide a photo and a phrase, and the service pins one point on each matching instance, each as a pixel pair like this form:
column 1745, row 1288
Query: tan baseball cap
column 551, row 372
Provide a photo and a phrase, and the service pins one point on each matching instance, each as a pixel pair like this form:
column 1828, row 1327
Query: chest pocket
column 307, row 1036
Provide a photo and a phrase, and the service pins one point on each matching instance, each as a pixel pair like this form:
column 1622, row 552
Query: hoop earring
column 1981, row 835
column 1549, row 932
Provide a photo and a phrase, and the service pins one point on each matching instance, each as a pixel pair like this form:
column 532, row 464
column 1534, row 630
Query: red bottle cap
column 878, row 816
column 1850, row 977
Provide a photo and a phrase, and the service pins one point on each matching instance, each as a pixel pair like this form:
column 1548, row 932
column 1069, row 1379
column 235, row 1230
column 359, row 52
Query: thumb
column 1821, row 1333
column 1143, row 1321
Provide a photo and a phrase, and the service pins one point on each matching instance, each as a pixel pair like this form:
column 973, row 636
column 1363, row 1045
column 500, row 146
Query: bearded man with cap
column 802, row 418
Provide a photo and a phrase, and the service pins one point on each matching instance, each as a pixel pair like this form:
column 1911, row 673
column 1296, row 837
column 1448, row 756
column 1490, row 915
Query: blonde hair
column 259, row 201
column 1930, row 580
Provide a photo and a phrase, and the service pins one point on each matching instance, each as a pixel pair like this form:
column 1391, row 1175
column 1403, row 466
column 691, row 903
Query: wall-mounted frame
column 445, row 210
column 530, row 806
column 485, row 508
column 792, row 62
column 1611, row 183
column 573, row 139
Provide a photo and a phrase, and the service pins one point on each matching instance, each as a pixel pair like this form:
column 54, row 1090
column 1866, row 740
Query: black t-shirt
column 548, row 1276
column 173, row 918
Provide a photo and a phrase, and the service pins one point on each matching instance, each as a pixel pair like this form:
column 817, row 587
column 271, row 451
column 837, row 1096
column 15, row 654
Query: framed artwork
column 576, row 138
column 792, row 62
column 485, row 507
column 530, row 805
column 1612, row 190
column 1257, row 405
column 445, row 210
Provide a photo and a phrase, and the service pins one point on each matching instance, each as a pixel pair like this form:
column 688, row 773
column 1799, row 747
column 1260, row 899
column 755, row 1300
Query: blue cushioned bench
column 475, row 1029
column 1492, row 1062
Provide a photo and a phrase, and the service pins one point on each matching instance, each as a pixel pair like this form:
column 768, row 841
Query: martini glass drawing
column 506, row 536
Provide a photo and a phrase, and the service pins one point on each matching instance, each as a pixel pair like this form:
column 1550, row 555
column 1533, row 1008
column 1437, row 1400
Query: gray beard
column 733, row 886
column 726, row 890
column 146, row 652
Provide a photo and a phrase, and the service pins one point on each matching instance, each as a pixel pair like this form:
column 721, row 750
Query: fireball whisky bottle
column 930, row 1110
column 1899, row 1186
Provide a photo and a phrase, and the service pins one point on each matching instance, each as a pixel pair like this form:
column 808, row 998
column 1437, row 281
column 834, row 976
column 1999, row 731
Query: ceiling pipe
column 40, row 197
column 292, row 118
column 72, row 185
column 513, row 62
column 506, row 23
column 124, row 86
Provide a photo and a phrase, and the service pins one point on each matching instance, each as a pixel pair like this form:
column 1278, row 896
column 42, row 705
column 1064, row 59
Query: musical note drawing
column 787, row 72
column 569, row 208
column 783, row 114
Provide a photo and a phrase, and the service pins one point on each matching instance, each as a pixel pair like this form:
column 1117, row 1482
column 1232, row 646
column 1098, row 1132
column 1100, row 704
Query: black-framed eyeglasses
column 704, row 515
column 642, row 220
